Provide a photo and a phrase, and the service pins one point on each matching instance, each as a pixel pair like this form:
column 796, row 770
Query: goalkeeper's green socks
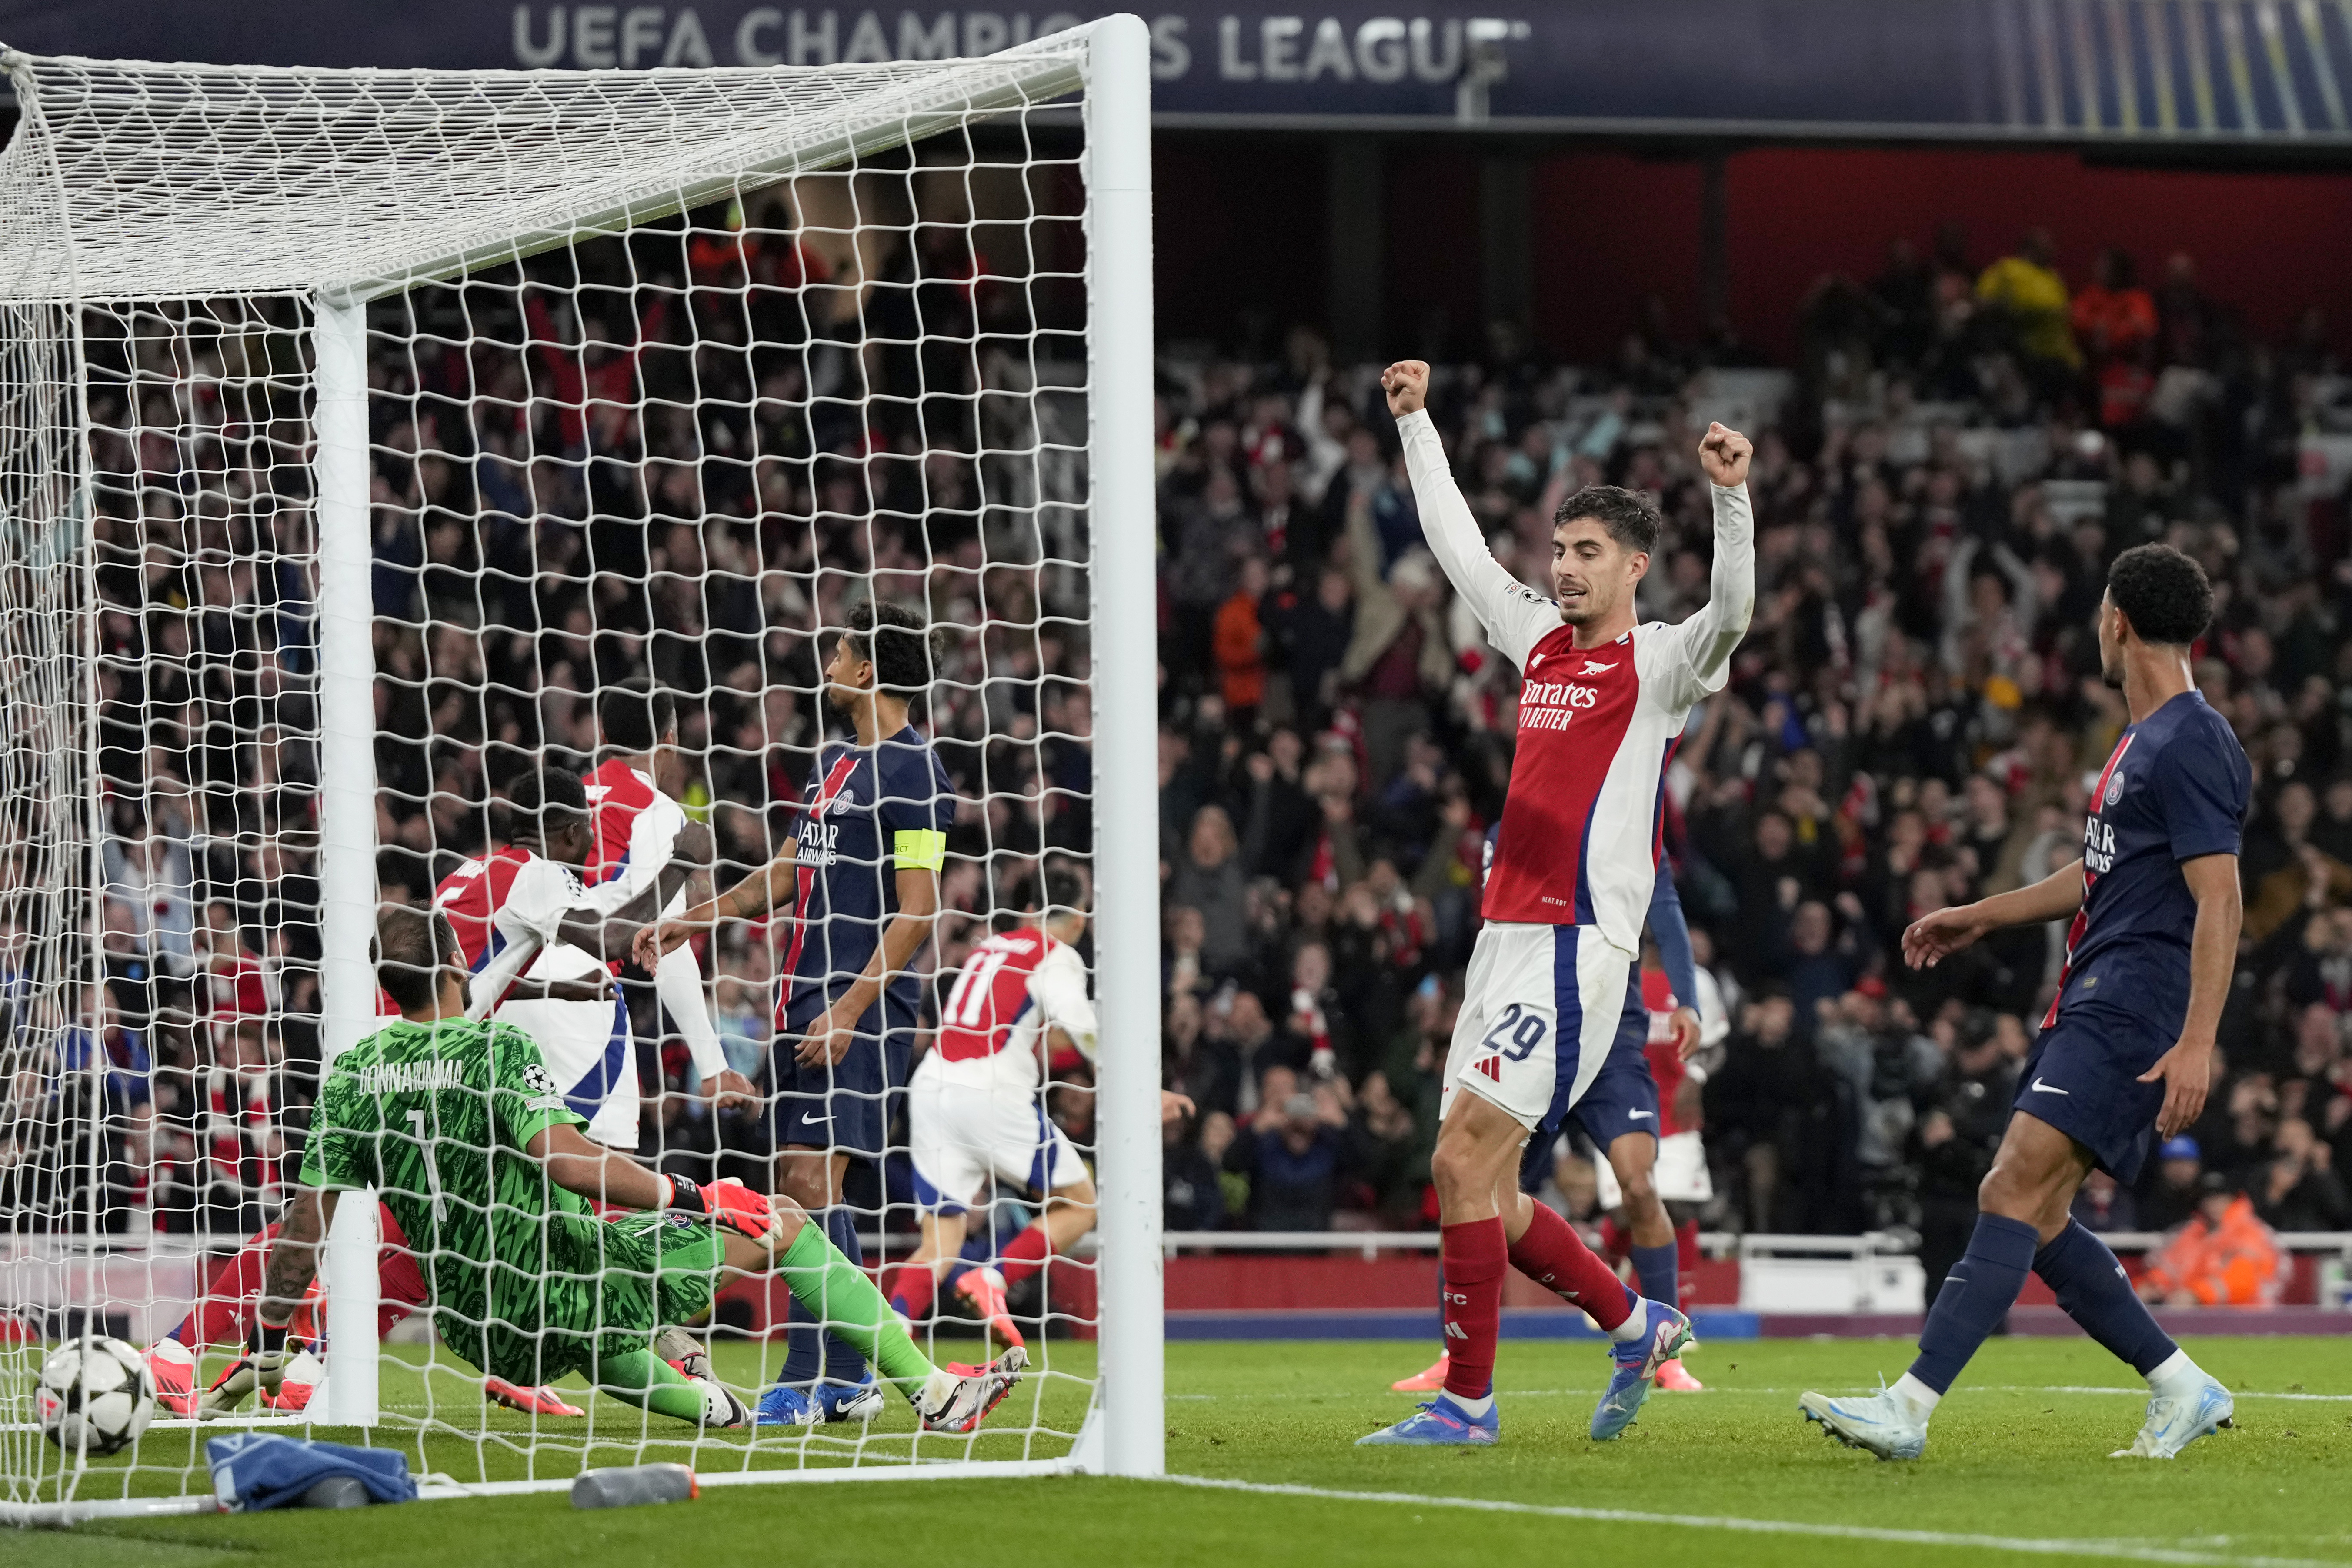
column 649, row 1382
column 848, row 1305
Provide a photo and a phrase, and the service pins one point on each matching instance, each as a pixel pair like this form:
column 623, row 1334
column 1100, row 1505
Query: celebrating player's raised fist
column 1407, row 385
column 1724, row 452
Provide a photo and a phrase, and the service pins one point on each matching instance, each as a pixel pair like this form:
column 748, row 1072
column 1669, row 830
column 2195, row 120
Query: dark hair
column 892, row 635
column 2162, row 593
column 1630, row 517
column 1033, row 892
column 411, row 945
column 1056, row 887
column 542, row 800
column 635, row 715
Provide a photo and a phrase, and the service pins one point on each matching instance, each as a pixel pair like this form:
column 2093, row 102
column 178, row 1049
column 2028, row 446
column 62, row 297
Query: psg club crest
column 2116, row 787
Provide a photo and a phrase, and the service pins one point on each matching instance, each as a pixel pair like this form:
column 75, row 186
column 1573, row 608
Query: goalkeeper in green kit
column 466, row 1135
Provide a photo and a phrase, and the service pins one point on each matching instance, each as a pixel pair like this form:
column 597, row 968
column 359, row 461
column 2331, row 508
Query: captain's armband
column 920, row 849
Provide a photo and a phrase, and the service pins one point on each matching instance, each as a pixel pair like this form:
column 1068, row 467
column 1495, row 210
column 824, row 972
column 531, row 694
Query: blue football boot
column 784, row 1405
column 860, row 1401
column 1669, row 1334
column 1440, row 1423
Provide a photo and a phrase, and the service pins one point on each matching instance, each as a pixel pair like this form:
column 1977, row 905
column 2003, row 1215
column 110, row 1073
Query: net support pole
column 346, row 815
column 1127, row 782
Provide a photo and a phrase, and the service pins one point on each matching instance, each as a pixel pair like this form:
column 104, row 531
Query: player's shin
column 1659, row 1269
column 1551, row 1254
column 2092, row 1288
column 225, row 1316
column 1977, row 1295
column 678, row 980
column 828, row 1285
column 647, row 1381
column 1475, row 1257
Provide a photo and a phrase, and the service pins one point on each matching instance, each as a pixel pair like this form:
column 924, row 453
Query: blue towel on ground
column 254, row 1470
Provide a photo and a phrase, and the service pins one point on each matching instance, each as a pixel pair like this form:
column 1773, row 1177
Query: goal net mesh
column 668, row 373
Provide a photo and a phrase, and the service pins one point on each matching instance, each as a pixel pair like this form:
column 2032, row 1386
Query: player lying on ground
column 511, row 904
column 1576, row 864
column 1619, row 1113
column 458, row 1124
column 2125, row 1053
column 862, row 877
column 972, row 1110
column 225, row 1316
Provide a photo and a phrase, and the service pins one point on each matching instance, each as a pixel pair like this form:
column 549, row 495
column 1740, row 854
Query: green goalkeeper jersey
column 435, row 1117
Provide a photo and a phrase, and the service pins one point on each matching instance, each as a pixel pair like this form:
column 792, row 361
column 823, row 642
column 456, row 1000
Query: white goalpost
column 357, row 429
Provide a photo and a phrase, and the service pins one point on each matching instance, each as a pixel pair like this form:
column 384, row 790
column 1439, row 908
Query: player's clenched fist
column 1724, row 453
column 1407, row 385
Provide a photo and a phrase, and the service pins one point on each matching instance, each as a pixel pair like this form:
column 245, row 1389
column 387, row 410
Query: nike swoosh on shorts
column 2041, row 1087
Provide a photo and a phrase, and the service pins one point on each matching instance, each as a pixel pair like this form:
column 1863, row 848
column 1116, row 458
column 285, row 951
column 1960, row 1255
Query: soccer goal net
column 501, row 493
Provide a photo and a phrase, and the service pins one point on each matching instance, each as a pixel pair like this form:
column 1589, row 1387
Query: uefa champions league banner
column 2037, row 69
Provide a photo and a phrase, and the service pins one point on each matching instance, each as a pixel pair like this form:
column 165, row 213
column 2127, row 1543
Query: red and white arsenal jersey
column 637, row 832
column 471, row 895
column 1583, row 817
column 1012, row 988
column 512, row 895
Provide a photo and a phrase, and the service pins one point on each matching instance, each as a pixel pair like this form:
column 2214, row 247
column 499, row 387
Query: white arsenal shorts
column 1539, row 1009
column 962, row 1128
column 1680, row 1175
column 586, row 1047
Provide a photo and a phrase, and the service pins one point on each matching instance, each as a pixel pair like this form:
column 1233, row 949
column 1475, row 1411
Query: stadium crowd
column 1913, row 721
column 690, row 472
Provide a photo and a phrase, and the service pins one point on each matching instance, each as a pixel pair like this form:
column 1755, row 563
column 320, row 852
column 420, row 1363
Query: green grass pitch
column 2017, row 1468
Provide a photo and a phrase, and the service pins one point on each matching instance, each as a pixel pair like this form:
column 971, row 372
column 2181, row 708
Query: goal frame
column 1124, row 1432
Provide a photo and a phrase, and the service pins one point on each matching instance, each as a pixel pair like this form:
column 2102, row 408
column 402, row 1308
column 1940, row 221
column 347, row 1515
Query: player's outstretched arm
column 1709, row 639
column 748, row 899
column 1514, row 615
column 609, row 1176
column 486, row 990
column 294, row 1256
column 1934, row 936
column 2187, row 1069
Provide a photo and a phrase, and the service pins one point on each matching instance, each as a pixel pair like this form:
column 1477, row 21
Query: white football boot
column 1882, row 1422
column 2177, row 1419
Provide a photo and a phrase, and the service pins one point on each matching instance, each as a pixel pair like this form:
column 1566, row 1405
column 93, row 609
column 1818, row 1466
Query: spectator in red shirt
column 2115, row 315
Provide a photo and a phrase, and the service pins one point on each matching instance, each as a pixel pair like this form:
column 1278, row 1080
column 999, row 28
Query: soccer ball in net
column 95, row 1396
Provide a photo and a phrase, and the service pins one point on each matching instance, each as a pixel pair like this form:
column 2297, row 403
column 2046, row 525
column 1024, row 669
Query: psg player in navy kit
column 2125, row 1051
column 862, row 879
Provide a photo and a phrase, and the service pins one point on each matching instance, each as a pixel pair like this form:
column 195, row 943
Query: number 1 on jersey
column 432, row 1169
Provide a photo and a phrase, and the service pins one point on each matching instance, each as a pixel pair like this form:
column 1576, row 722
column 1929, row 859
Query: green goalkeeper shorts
column 653, row 1271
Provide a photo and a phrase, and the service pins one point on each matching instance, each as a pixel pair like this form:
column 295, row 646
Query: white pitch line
column 1731, row 1392
column 2116, row 1549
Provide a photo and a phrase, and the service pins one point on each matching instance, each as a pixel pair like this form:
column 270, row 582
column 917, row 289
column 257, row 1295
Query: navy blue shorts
column 1622, row 1097
column 2082, row 1078
column 845, row 1105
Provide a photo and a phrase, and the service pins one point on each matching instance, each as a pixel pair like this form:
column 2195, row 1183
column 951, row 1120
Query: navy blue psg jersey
column 2174, row 789
column 869, row 814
